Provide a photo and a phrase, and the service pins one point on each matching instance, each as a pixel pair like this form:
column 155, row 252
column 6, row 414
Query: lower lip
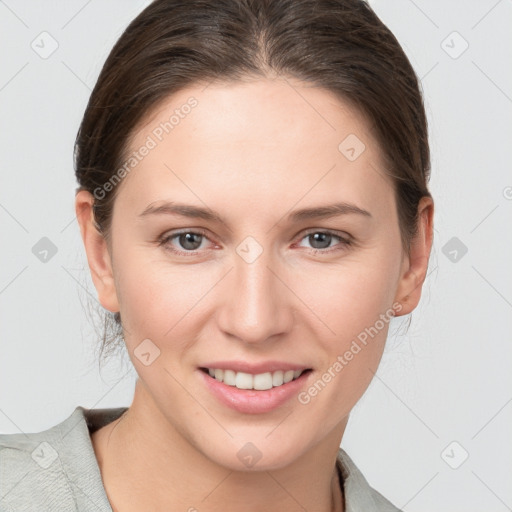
column 250, row 401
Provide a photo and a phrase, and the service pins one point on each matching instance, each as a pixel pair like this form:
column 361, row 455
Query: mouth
column 257, row 382
column 254, row 393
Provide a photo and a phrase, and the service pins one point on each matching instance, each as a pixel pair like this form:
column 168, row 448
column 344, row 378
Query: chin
column 241, row 453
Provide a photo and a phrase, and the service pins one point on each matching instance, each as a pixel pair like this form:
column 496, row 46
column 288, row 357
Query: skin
column 253, row 152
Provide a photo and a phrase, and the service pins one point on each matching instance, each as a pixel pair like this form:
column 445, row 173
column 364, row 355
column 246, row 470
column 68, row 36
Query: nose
column 258, row 306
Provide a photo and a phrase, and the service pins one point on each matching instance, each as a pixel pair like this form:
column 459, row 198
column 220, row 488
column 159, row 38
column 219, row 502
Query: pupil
column 188, row 238
column 322, row 238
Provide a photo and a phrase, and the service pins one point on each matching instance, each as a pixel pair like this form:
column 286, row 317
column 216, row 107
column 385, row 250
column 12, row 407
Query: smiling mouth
column 258, row 382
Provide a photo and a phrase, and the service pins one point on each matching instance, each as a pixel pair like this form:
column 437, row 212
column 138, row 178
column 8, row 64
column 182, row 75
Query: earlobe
column 97, row 252
column 416, row 264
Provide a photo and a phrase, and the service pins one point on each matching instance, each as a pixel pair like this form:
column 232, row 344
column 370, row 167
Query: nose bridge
column 256, row 307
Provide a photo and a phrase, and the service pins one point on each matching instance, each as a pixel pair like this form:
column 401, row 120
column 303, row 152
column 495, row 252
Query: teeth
column 288, row 376
column 229, row 377
column 259, row 382
column 262, row 381
column 277, row 378
column 243, row 380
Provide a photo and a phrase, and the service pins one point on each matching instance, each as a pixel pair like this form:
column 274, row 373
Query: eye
column 189, row 241
column 321, row 240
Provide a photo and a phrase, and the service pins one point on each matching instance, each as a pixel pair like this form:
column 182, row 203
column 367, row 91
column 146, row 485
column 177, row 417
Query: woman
column 254, row 207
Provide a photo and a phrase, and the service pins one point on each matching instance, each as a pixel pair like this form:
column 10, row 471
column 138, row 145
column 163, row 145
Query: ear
column 97, row 252
column 414, row 268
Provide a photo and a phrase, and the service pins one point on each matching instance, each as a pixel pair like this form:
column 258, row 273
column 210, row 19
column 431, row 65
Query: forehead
column 264, row 140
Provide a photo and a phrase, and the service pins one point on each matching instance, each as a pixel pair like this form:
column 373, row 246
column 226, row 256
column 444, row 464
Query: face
column 224, row 257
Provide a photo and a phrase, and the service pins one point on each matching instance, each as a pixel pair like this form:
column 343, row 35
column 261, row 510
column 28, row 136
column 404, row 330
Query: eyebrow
column 196, row 212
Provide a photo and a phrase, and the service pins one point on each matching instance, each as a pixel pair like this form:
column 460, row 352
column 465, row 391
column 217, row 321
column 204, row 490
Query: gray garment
column 56, row 470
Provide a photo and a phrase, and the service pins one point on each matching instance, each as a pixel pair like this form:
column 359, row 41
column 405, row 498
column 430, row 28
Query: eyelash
column 165, row 239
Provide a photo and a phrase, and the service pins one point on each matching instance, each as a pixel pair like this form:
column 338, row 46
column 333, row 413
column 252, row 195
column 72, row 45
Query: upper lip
column 254, row 368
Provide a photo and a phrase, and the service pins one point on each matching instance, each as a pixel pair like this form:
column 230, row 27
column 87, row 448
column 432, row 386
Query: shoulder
column 359, row 495
column 54, row 469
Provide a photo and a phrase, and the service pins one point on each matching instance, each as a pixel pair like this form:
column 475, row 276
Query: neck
column 147, row 464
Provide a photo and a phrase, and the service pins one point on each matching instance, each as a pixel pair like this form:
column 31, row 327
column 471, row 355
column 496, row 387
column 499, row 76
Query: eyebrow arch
column 331, row 210
column 185, row 210
column 320, row 212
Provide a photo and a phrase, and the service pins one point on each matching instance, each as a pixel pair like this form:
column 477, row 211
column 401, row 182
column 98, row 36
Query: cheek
column 158, row 298
column 354, row 301
column 350, row 297
column 356, row 305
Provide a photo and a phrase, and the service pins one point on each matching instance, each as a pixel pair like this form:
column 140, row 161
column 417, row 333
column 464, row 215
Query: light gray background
column 448, row 379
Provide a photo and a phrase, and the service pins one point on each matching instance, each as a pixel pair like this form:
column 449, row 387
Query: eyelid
column 341, row 234
column 168, row 235
column 345, row 240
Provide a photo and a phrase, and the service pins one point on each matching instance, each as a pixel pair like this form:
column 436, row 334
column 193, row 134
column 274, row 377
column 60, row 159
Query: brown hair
column 339, row 45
